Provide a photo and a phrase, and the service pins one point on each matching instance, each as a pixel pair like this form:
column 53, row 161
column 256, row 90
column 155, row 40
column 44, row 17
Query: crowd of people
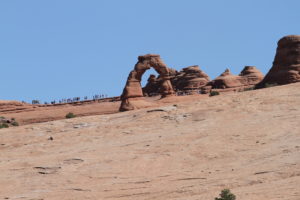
column 99, row 97
column 71, row 100
column 178, row 93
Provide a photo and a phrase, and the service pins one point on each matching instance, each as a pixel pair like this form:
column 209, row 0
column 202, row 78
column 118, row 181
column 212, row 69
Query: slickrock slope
column 14, row 106
column 28, row 113
column 248, row 142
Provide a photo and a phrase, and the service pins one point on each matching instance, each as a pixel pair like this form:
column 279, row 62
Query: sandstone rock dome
column 251, row 76
column 286, row 65
column 190, row 78
column 226, row 80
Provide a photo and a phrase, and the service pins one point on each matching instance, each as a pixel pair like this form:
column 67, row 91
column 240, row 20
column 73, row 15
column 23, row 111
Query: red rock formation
column 226, row 80
column 152, row 87
column 286, row 65
column 251, row 76
column 190, row 78
column 248, row 78
column 133, row 89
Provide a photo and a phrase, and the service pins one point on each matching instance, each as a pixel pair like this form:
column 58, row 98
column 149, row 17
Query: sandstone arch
column 133, row 89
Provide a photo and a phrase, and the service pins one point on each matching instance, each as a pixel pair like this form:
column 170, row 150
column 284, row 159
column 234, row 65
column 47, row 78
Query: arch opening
column 150, row 83
column 133, row 88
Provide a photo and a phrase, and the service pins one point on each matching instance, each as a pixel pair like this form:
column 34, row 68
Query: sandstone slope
column 28, row 113
column 248, row 142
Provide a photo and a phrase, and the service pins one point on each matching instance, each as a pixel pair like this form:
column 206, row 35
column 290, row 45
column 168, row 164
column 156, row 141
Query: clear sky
column 54, row 49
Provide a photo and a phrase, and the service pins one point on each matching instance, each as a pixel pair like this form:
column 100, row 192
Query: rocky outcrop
column 226, row 80
column 248, row 78
column 133, row 90
column 251, row 76
column 193, row 80
column 152, row 87
column 286, row 65
column 190, row 79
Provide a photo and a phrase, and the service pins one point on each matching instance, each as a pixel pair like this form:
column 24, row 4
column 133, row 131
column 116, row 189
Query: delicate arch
column 133, row 87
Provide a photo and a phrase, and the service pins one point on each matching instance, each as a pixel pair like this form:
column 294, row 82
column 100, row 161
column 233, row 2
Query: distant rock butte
column 286, row 65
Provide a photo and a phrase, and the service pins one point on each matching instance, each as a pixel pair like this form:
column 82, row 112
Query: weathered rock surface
column 133, row 90
column 248, row 142
column 251, row 76
column 152, row 87
column 286, row 65
column 190, row 78
column 187, row 80
column 14, row 106
column 226, row 80
column 248, row 78
column 27, row 113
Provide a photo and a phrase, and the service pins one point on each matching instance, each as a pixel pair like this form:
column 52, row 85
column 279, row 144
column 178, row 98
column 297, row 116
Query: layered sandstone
column 14, row 106
column 286, row 65
column 226, row 80
column 190, row 78
column 152, row 86
column 133, row 90
column 248, row 78
column 251, row 76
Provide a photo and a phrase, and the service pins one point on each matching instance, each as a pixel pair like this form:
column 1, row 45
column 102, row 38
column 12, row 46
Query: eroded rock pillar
column 286, row 65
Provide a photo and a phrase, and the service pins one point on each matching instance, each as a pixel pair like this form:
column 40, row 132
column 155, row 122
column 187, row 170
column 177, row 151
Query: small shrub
column 4, row 125
column 267, row 85
column 15, row 123
column 248, row 89
column 214, row 93
column 226, row 195
column 70, row 115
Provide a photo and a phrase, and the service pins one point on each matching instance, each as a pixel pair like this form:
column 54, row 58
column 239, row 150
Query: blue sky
column 65, row 48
